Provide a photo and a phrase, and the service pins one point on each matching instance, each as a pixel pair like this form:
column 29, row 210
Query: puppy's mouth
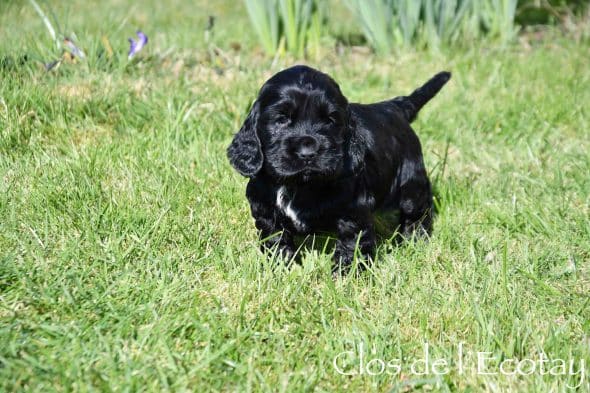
column 309, row 171
column 309, row 175
column 305, row 170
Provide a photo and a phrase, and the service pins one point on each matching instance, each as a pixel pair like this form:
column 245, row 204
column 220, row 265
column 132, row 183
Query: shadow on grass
column 386, row 230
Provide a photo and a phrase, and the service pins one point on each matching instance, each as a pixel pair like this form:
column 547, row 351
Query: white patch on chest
column 285, row 205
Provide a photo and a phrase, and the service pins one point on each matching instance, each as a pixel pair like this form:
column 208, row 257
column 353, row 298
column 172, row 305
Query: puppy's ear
column 355, row 148
column 245, row 151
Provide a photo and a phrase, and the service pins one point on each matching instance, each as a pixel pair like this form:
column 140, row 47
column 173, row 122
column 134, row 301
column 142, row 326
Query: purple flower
column 51, row 65
column 73, row 49
column 136, row 46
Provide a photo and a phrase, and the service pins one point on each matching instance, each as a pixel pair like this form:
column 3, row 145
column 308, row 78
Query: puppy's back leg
column 415, row 200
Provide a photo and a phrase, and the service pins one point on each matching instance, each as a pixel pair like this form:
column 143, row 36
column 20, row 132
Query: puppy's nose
column 305, row 147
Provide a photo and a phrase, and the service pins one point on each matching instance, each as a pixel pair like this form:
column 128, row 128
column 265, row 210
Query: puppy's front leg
column 273, row 235
column 354, row 230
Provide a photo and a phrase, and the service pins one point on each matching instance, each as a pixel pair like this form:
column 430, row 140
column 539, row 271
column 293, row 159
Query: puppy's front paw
column 415, row 230
column 288, row 255
column 283, row 253
column 343, row 259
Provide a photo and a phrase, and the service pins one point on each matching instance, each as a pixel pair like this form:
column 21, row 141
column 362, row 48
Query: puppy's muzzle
column 304, row 147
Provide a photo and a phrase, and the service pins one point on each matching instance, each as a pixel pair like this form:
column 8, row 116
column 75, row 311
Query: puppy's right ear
column 245, row 151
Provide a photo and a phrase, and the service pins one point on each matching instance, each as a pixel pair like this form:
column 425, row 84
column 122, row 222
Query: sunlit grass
column 129, row 260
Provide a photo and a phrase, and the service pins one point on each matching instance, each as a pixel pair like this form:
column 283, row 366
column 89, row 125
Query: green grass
column 128, row 257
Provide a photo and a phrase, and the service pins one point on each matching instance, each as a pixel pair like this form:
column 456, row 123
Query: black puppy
column 319, row 163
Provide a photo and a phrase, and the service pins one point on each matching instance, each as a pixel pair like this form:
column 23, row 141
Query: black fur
column 319, row 163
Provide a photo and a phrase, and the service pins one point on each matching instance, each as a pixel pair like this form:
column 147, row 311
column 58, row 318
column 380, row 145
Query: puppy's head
column 297, row 130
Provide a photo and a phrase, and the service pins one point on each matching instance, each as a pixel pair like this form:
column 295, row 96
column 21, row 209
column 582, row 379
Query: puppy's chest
column 304, row 212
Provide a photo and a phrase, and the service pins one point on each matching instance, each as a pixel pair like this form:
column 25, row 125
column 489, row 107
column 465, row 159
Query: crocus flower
column 51, row 65
column 73, row 49
column 136, row 46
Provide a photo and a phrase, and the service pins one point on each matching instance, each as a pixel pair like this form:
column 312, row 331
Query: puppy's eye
column 282, row 119
column 334, row 118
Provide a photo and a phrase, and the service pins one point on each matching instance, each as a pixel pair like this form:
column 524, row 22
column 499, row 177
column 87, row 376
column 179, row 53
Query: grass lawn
column 129, row 259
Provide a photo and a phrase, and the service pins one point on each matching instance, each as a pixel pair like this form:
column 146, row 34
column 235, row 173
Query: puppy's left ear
column 245, row 151
column 355, row 147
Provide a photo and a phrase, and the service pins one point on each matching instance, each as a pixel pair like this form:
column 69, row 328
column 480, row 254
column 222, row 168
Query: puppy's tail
column 412, row 104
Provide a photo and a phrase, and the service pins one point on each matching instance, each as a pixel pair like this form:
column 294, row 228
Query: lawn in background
column 129, row 260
